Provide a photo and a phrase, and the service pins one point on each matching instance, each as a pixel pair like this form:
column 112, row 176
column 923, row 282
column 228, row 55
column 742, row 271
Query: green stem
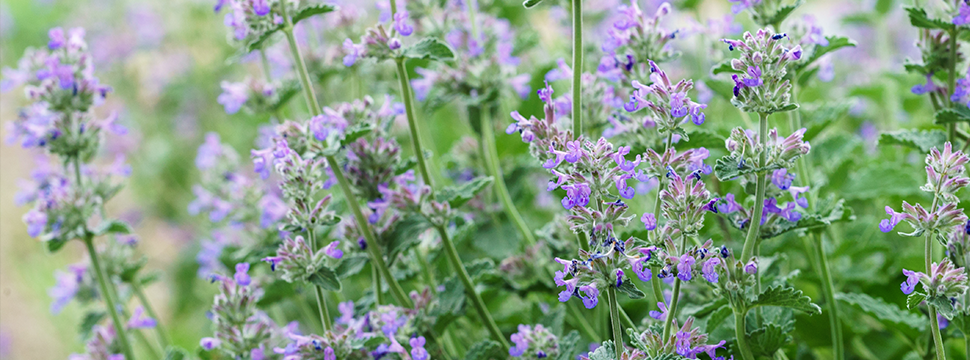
column 934, row 323
column 491, row 162
column 615, row 322
column 577, row 68
column 402, row 76
column 828, row 291
column 108, row 299
column 318, row 291
column 674, row 298
column 741, row 335
column 376, row 279
column 308, row 93
column 140, row 293
column 751, row 240
column 470, row 291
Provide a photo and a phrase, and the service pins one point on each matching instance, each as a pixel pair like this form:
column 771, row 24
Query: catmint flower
column 709, row 269
column 67, row 286
column 685, row 267
column 140, row 321
column 242, row 276
column 961, row 93
column 782, row 179
column 209, row 343
column 534, row 342
column 668, row 104
column 417, row 348
column 751, row 267
column 963, row 15
column 649, row 221
column 332, row 251
column 761, row 86
column 401, row 23
column 921, row 89
column 944, row 280
column 944, row 172
column 740, row 5
column 353, row 52
column 912, row 278
column 576, row 195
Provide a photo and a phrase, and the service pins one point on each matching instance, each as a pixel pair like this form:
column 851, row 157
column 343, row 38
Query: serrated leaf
column 404, row 234
column 730, row 167
column 285, row 92
column 484, row 350
column 480, row 267
column 724, row 67
column 326, row 279
column 918, row 17
column 957, row 114
column 429, row 48
column 914, row 299
column 788, row 297
column 570, row 346
column 175, row 353
column 351, row 265
column 922, row 140
column 779, row 16
column 767, row 340
column 460, row 194
column 943, row 305
column 883, row 311
column 631, row 290
column 821, row 117
column 112, row 227
column 312, row 9
column 531, row 3
column 702, row 310
column 606, row 351
column 717, row 318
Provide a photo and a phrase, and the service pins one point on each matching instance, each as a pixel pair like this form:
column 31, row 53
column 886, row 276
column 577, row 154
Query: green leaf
column 918, row 17
column 767, row 340
column 724, row 67
column 605, row 352
column 729, row 167
column 90, row 320
column 312, row 9
column 835, row 43
column 837, row 212
column 956, row 114
column 788, row 297
column 702, row 138
column 531, row 3
column 914, row 300
column 484, row 350
column 717, row 318
column 55, row 244
column 943, row 305
column 429, row 48
column 175, row 353
column 350, row 265
column 326, row 279
column 276, row 291
column 702, row 310
column 459, row 195
column 451, row 300
column 404, row 234
column 554, row 319
column 631, row 290
column 883, row 311
column 779, row 16
column 285, row 92
column 922, row 140
column 785, row 108
column 112, row 227
column 480, row 267
column 820, row 117
column 570, row 346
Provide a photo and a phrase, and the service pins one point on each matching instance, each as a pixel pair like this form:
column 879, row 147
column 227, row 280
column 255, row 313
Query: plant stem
column 828, row 291
column 376, row 279
column 140, row 293
column 741, row 335
column 577, row 68
column 615, row 322
column 491, row 162
column 470, row 291
column 402, row 76
column 672, row 309
column 108, row 299
column 308, row 93
column 321, row 299
column 934, row 323
column 373, row 247
column 754, row 231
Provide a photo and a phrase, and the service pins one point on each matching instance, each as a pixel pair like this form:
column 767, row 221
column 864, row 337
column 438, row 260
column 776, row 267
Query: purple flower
column 709, row 269
column 940, row 319
column 346, row 309
column 241, row 276
column 332, row 251
column 140, row 321
column 963, row 17
column 659, row 315
column 754, row 77
column 908, row 285
column 57, row 39
column 920, row 89
column 417, row 348
column 261, row 7
column 649, row 221
column 209, row 343
column 576, row 195
column 353, row 51
column 887, row 225
column 685, row 267
column 520, row 83
column 401, row 23
column 591, row 297
column 751, row 267
column 740, row 5
column 625, row 191
column 729, row 205
column 233, row 96
column 36, row 221
column 67, row 286
column 782, row 179
column 643, row 273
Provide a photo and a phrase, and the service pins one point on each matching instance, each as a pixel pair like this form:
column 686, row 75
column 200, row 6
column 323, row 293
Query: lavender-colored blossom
column 141, row 321
column 963, row 14
column 649, row 221
column 401, row 23
column 908, row 285
column 209, row 343
column 417, row 348
column 242, row 276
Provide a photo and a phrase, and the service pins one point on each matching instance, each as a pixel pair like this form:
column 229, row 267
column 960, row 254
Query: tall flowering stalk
column 941, row 281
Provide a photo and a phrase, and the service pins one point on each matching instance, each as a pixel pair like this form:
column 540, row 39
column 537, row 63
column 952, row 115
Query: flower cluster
column 944, row 174
column 633, row 40
column 380, row 43
column 761, row 85
column 534, row 342
column 944, row 280
column 745, row 146
column 254, row 94
column 668, row 104
column 247, row 20
column 688, row 342
column 240, row 328
column 298, row 262
column 225, row 192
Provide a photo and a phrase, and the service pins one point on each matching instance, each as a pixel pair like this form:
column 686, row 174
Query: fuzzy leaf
column 55, row 244
column 918, row 17
column 570, row 346
column 837, row 212
column 631, row 290
column 484, row 350
column 724, row 67
column 957, row 114
column 480, row 267
column 312, row 9
column 326, row 279
column 404, row 234
column 779, row 16
column 285, row 92
column 459, row 195
column 451, row 300
column 883, row 311
column 112, row 227
column 350, row 265
column 554, row 319
column 767, row 340
column 531, row 3
column 943, row 305
column 914, row 300
column 717, row 318
column 787, row 297
column 821, row 117
column 922, row 140
column 429, row 48
column 727, row 168
column 702, row 310
column 604, row 352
